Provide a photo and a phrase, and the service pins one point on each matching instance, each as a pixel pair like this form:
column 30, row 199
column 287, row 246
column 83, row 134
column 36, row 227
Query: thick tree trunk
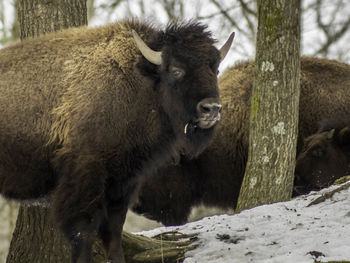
column 35, row 238
column 37, row 17
column 275, row 101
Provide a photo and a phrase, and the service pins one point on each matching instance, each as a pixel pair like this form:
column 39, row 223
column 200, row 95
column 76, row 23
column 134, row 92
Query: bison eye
column 177, row 73
column 317, row 152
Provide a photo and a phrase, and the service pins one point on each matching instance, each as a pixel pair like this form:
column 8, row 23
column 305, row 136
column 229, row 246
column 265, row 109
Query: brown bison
column 215, row 178
column 84, row 117
column 325, row 156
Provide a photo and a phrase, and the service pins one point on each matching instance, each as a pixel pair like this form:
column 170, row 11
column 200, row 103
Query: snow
column 282, row 232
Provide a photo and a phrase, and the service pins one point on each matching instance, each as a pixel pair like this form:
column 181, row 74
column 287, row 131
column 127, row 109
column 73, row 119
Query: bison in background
column 215, row 177
column 85, row 117
column 325, row 156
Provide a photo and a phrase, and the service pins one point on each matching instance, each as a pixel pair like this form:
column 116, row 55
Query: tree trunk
column 8, row 215
column 35, row 238
column 275, row 101
column 37, row 17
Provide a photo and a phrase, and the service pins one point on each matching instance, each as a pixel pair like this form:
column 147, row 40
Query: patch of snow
column 286, row 232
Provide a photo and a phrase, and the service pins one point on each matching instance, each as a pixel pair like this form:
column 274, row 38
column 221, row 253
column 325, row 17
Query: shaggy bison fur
column 325, row 156
column 215, row 177
column 84, row 117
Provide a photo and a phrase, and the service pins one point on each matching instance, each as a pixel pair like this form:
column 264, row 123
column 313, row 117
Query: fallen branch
column 138, row 249
column 328, row 195
column 37, row 239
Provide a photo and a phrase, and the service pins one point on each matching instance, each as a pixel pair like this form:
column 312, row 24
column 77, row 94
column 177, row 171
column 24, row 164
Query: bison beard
column 87, row 113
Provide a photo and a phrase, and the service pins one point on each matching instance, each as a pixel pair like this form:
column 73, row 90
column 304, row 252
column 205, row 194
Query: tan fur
column 325, row 93
column 45, row 109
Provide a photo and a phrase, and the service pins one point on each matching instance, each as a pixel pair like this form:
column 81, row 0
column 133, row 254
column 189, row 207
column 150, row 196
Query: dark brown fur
column 215, row 178
column 325, row 156
column 84, row 117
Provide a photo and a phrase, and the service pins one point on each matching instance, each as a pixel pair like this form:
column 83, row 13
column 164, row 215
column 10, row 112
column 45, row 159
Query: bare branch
column 247, row 13
column 216, row 13
column 331, row 35
column 318, row 18
column 246, row 8
column 332, row 38
column 226, row 15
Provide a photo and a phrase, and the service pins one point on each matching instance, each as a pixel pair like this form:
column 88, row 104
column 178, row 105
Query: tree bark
column 275, row 101
column 8, row 216
column 37, row 17
column 36, row 239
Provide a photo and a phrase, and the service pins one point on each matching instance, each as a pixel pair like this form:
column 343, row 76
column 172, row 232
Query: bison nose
column 208, row 111
column 209, row 107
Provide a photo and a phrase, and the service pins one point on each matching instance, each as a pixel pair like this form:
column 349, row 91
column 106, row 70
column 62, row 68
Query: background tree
column 275, row 104
column 36, row 238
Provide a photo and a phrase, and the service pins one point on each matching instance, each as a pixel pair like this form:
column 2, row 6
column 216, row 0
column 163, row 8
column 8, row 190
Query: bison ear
column 344, row 136
column 330, row 134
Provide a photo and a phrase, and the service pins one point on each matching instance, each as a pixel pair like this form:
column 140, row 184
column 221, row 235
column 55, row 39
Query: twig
column 329, row 194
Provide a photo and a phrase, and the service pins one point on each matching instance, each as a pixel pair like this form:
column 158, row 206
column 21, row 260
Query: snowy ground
column 287, row 232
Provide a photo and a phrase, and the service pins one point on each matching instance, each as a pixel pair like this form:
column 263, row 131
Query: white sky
column 282, row 232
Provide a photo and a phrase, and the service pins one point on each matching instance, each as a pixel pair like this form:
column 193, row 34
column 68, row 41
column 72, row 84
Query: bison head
column 325, row 157
column 185, row 68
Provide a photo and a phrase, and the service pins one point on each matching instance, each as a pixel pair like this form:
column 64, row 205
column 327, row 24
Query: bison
column 325, row 156
column 85, row 117
column 215, row 177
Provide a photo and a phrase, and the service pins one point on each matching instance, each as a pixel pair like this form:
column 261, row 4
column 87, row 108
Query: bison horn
column 152, row 56
column 185, row 130
column 226, row 47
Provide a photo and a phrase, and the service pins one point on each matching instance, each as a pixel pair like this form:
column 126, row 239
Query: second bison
column 215, row 178
column 325, row 156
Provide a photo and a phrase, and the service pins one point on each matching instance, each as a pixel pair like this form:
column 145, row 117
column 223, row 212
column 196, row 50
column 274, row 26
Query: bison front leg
column 78, row 204
column 119, row 191
column 111, row 234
